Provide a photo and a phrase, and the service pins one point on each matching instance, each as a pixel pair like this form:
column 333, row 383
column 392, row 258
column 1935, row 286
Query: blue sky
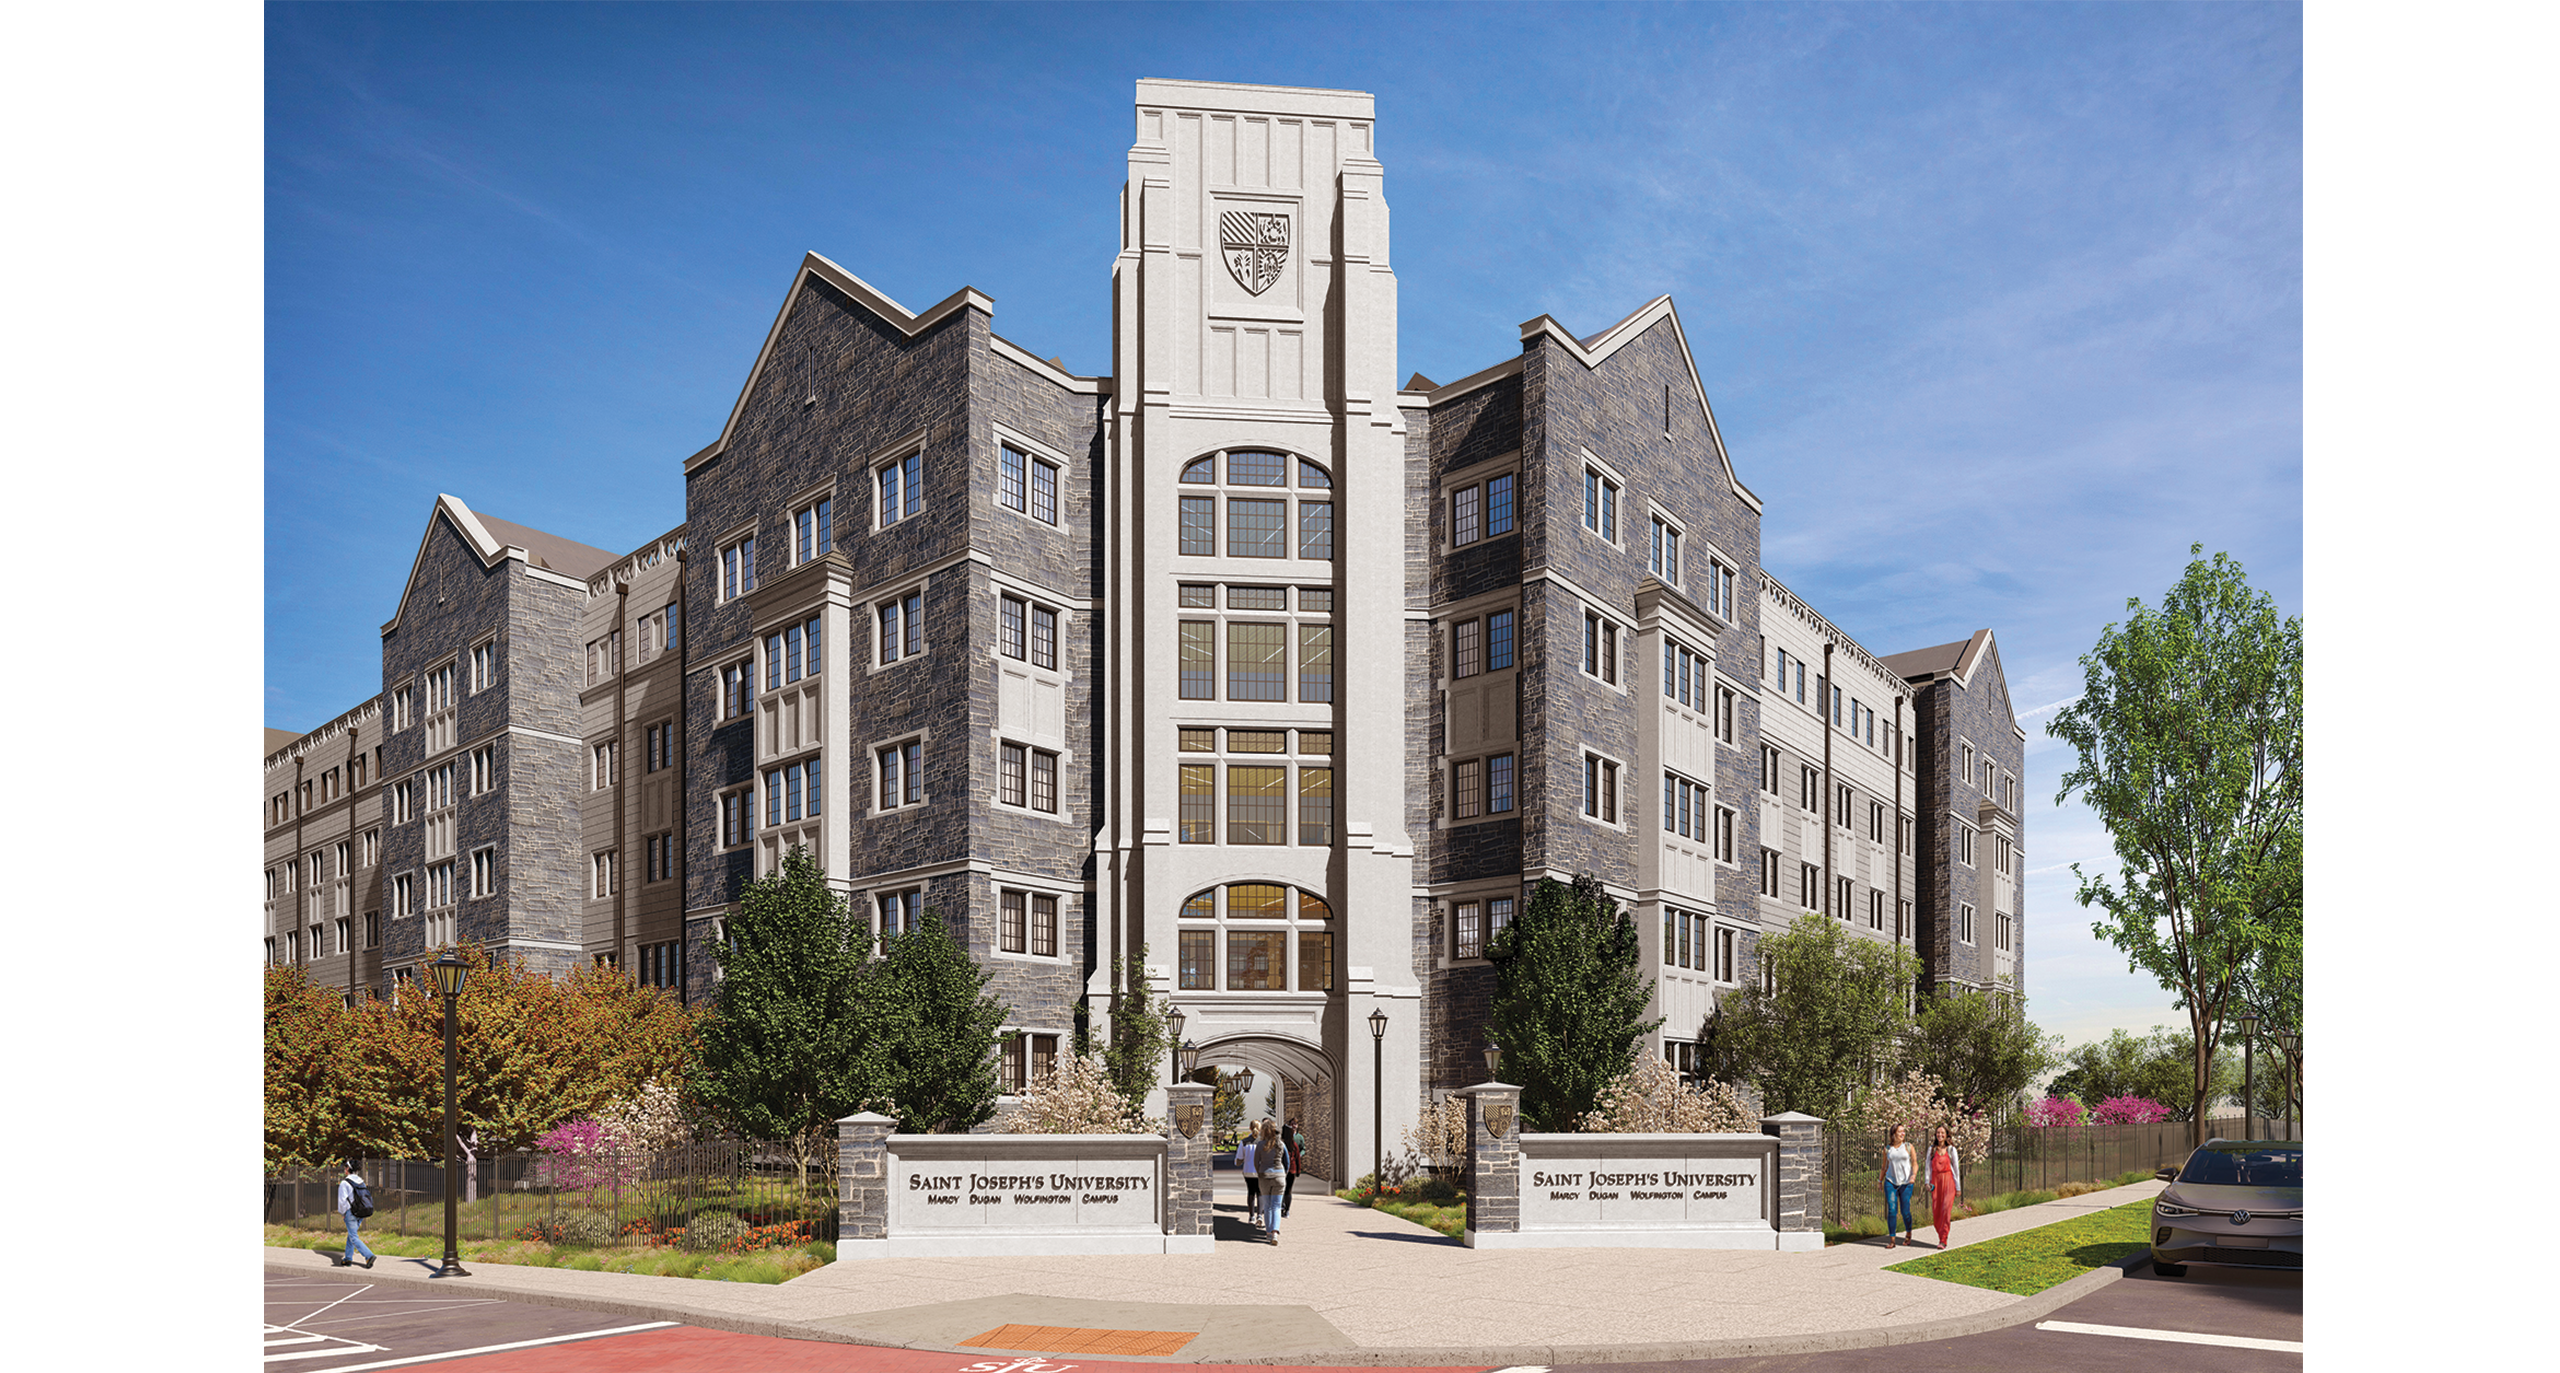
column 2000, row 307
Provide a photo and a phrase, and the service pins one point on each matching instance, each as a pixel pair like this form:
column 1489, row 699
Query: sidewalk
column 1346, row 1285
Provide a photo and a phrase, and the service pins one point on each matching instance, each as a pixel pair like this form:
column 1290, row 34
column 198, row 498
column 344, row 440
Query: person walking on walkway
column 355, row 1202
column 1946, row 1181
column 1294, row 1140
column 1898, row 1170
column 1252, row 1179
column 1272, row 1158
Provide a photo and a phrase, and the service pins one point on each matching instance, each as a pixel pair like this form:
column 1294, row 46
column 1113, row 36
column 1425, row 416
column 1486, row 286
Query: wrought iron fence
column 524, row 1194
column 2027, row 1158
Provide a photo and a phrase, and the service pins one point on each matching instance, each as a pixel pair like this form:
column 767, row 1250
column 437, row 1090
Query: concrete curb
column 2022, row 1310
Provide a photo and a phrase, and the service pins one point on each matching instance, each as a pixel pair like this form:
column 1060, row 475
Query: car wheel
column 2169, row 1270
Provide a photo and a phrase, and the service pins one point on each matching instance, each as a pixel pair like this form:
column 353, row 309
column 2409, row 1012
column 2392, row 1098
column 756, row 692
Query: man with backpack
column 355, row 1200
column 1295, row 1140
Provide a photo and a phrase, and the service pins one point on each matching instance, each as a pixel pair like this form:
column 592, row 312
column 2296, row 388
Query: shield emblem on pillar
column 1256, row 247
column 1497, row 1121
column 1187, row 1119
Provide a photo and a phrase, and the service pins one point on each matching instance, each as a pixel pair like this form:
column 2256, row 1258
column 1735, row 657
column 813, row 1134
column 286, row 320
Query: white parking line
column 331, row 1346
column 2173, row 1336
column 495, row 1348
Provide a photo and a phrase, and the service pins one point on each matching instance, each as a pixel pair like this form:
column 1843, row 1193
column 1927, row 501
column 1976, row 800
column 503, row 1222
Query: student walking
column 1898, row 1171
column 1272, row 1158
column 355, row 1201
column 1295, row 1141
column 1946, row 1181
column 1252, row 1180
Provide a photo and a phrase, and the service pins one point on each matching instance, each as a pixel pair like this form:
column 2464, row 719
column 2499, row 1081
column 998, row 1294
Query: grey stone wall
column 862, row 1176
column 1188, row 1206
column 1493, row 1191
column 1799, row 1181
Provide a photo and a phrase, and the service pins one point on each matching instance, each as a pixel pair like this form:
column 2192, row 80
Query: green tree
column 1137, row 1044
column 934, row 1030
column 2270, row 988
column 1569, row 1000
column 1835, row 1023
column 1980, row 1046
column 2189, row 735
column 311, row 1055
column 2157, row 1066
column 781, row 1056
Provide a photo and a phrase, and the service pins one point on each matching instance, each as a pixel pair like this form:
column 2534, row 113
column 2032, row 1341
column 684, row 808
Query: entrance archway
column 1306, row 1086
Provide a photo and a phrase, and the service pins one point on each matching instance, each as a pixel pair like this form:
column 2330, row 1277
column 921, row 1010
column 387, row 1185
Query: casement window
column 1197, row 596
column 371, row 854
column 1466, row 648
column 1662, row 554
column 1724, row 835
column 1199, row 802
column 661, row 965
column 1685, row 939
column 1875, row 910
column 1845, row 815
column 1199, row 527
column 484, row 770
column 440, row 789
column 356, row 772
column 404, row 897
column 1255, row 527
column 373, row 929
column 1847, row 904
column 1315, row 531
column 1599, row 504
column 484, row 872
column 2001, row 851
column 1027, row 484
column 900, row 911
column 1685, row 810
column 1599, row 647
column 901, row 486
column 793, row 793
column 1768, row 769
column 1028, row 632
column 661, row 739
column 791, row 653
column 1029, row 778
column 1964, row 923
column 319, row 868
column 601, row 774
column 1315, row 805
column 1723, row 955
column 603, row 865
column 1964, row 844
column 1684, row 674
column 440, row 689
column 1809, row 789
column 1473, row 924
column 737, row 690
column 661, row 852
column 1041, row 1053
column 1769, row 872
column 1599, row 789
column 1483, row 510
column 1719, row 589
column 1905, row 828
column 1875, row 821
column 1257, row 805
column 1257, row 661
column 2000, row 921
column 1029, row 923
column 1259, row 924
column 345, row 854
column 403, row 707
column 604, row 657
column 901, row 774
column 1199, row 660
column 738, row 569
column 1902, row 922
column 1966, row 751
column 1315, row 663
column 902, row 627
column 484, row 665
column 813, row 529
column 737, row 818
column 1808, row 886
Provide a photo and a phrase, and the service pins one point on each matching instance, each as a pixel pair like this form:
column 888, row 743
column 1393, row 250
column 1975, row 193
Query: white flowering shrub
column 1074, row 1096
column 1917, row 1100
column 1650, row 1099
column 1440, row 1136
column 650, row 1119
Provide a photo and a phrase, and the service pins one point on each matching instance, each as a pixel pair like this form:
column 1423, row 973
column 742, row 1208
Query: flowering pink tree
column 586, row 1156
column 2056, row 1110
column 2130, row 1110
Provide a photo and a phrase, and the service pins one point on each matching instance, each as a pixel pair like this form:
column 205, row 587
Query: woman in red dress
column 1946, row 1182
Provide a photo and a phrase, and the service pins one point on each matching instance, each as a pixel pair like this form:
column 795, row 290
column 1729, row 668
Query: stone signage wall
column 1668, row 1191
column 923, row 1196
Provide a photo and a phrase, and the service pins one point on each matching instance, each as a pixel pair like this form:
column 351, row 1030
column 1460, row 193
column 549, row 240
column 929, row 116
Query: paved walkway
column 1345, row 1285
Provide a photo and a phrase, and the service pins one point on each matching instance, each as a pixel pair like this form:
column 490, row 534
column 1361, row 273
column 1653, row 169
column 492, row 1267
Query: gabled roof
column 1597, row 349
column 1959, row 661
column 494, row 540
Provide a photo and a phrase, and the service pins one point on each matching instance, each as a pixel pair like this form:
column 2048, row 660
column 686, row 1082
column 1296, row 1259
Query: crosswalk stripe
column 2173, row 1336
column 340, row 1352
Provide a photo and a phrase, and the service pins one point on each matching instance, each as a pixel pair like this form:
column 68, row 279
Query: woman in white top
column 1897, row 1171
column 1252, row 1180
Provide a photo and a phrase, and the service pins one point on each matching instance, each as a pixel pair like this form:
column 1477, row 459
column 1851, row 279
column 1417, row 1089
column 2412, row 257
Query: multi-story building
column 1241, row 664
column 323, row 807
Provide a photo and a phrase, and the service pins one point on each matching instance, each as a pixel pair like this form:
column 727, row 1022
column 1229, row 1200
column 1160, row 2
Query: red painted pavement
column 686, row 1349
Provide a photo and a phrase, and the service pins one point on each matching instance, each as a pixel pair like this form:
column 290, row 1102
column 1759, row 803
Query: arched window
column 1256, row 937
column 1259, row 517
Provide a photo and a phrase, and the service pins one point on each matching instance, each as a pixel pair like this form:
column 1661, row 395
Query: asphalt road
column 340, row 1323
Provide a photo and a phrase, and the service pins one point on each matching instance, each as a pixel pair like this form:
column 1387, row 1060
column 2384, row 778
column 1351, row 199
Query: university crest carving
column 1187, row 1120
column 1256, row 247
column 1497, row 1121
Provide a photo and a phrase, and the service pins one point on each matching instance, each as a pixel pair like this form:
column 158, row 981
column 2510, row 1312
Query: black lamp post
column 1190, row 1059
column 1493, row 1062
column 1378, row 1099
column 1173, row 1042
column 450, row 971
column 2292, row 1043
column 2249, row 1077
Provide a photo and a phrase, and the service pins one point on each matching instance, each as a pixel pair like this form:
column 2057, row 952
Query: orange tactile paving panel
column 1068, row 1339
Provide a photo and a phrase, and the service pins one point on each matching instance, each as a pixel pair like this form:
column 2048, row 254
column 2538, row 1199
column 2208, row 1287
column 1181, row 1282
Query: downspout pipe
column 621, row 701
column 1830, row 800
column 683, row 647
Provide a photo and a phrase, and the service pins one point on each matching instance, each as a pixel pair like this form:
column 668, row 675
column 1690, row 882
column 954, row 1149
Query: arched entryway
column 1307, row 1087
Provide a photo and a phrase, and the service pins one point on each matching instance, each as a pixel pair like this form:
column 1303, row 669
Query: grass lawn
column 1871, row 1225
column 1437, row 1206
column 766, row 1266
column 2030, row 1261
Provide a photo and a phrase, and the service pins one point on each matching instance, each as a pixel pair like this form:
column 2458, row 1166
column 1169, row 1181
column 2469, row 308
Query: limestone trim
column 483, row 543
column 864, row 294
column 1774, row 590
column 1056, row 376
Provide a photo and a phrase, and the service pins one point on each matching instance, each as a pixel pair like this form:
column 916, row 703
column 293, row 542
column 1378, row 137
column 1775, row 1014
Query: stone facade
column 1574, row 503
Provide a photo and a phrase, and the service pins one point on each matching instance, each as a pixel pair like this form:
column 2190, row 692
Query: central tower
column 1253, row 837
